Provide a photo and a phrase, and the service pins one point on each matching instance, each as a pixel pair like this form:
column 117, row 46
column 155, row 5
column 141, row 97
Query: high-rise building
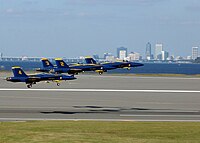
column 122, row 53
column 194, row 52
column 148, row 51
column 165, row 55
column 158, row 49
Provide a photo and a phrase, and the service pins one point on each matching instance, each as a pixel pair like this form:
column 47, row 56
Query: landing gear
column 29, row 85
column 100, row 73
column 58, row 84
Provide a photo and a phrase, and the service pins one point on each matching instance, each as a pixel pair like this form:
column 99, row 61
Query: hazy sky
column 72, row 28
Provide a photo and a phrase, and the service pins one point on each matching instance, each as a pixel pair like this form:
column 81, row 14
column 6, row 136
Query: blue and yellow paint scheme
column 62, row 66
column 112, row 65
column 21, row 76
column 47, row 66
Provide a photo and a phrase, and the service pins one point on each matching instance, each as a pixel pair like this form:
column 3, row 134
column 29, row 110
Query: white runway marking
column 103, row 120
column 103, row 90
column 124, row 115
column 143, row 77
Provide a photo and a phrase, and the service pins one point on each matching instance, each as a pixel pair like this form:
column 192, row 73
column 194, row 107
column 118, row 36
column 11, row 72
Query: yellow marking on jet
column 47, row 63
column 98, row 70
column 58, row 59
column 58, row 81
column 77, row 64
column 44, row 59
column 62, row 64
column 15, row 67
column 88, row 57
column 20, row 72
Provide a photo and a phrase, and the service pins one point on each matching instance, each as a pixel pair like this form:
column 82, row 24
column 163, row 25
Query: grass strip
column 99, row 132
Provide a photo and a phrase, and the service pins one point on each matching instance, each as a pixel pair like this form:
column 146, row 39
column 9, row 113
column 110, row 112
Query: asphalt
column 103, row 97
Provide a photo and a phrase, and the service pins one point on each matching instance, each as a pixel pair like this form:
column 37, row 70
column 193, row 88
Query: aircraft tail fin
column 46, row 63
column 90, row 60
column 18, row 72
column 60, row 63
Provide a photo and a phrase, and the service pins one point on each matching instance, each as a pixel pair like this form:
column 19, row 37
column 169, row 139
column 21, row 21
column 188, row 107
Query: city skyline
column 150, row 50
column 122, row 54
column 73, row 28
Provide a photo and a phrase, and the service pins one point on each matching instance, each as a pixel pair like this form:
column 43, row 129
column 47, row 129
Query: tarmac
column 103, row 97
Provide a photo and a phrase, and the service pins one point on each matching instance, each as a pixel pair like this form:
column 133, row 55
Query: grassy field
column 99, row 132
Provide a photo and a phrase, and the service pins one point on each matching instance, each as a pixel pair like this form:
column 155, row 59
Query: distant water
column 163, row 68
column 148, row 68
column 26, row 65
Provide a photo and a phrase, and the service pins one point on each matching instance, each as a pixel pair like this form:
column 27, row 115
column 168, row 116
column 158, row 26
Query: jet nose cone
column 37, row 69
column 73, row 77
column 137, row 64
column 8, row 78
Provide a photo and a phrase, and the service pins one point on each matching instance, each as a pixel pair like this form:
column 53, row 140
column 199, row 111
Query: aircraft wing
column 74, row 71
column 33, row 79
column 43, row 70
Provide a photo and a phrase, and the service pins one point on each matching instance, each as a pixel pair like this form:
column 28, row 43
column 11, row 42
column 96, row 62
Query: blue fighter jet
column 112, row 65
column 21, row 76
column 48, row 67
column 62, row 67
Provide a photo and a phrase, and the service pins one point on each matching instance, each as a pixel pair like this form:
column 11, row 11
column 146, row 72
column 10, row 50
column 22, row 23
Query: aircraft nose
column 137, row 64
column 8, row 78
column 38, row 69
column 73, row 77
column 140, row 64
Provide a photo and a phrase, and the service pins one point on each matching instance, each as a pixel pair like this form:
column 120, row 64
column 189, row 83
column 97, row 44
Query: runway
column 103, row 97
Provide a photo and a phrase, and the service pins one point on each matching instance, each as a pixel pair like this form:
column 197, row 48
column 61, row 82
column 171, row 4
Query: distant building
column 158, row 49
column 194, row 52
column 121, row 53
column 133, row 56
column 170, row 58
column 197, row 60
column 110, row 58
column 96, row 56
column 179, row 58
column 189, row 57
column 25, row 58
column 159, row 56
column 105, row 55
column 81, row 57
column 148, row 51
column 1, row 57
column 165, row 55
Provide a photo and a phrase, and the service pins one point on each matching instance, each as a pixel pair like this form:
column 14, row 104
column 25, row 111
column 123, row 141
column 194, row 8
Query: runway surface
column 105, row 97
